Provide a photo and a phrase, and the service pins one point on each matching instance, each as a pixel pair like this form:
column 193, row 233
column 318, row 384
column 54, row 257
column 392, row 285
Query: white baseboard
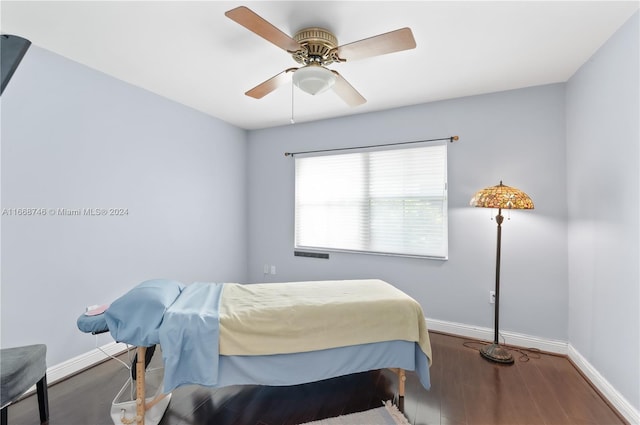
column 510, row 338
column 79, row 363
column 619, row 402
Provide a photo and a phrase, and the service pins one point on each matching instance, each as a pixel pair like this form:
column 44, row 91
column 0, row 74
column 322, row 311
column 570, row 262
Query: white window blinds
column 382, row 202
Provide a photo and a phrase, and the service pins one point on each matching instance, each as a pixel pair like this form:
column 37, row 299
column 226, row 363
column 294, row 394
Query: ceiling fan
column 315, row 48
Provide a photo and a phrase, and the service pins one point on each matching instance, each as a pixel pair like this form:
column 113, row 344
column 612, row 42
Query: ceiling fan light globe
column 314, row 79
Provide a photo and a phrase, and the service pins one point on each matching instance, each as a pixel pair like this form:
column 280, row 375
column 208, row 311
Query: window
column 382, row 202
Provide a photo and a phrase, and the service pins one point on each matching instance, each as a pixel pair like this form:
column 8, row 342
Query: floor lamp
column 500, row 197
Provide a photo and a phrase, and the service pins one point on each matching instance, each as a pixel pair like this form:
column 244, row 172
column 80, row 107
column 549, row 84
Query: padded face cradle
column 92, row 324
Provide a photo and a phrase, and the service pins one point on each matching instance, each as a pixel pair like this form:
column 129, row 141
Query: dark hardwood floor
column 466, row 389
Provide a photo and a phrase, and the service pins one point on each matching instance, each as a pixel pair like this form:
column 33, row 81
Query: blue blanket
column 189, row 336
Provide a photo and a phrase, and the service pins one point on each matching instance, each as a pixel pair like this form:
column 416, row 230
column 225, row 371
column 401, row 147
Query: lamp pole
column 499, row 219
column 495, row 352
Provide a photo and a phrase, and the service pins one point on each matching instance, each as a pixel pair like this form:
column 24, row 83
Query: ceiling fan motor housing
column 318, row 46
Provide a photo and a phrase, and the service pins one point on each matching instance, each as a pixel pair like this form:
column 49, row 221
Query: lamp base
column 496, row 353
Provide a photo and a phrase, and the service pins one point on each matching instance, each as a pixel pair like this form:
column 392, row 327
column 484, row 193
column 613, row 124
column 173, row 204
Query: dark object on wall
column 12, row 49
column 311, row 254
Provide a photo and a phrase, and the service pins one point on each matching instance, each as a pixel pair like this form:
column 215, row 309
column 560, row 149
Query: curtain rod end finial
column 288, row 154
column 454, row 138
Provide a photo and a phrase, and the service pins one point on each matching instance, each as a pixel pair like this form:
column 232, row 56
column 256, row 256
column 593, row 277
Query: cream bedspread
column 279, row 318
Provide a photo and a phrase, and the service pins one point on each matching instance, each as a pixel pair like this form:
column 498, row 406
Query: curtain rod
column 450, row 139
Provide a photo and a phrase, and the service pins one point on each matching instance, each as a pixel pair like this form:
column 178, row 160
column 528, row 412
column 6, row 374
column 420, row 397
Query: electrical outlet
column 273, row 269
column 492, row 297
column 265, row 269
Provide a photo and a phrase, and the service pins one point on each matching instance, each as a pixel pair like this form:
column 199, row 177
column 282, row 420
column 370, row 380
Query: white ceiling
column 188, row 51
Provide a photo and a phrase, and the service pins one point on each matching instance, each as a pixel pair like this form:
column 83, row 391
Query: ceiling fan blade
column 253, row 22
column 346, row 91
column 394, row 41
column 266, row 87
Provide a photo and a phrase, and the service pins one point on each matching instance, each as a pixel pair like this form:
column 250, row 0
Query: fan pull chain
column 292, row 89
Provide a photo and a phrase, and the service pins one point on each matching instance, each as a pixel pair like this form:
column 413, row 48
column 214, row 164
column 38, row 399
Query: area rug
column 386, row 415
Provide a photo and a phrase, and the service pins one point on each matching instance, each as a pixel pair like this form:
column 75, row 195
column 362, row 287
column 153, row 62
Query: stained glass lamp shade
column 500, row 197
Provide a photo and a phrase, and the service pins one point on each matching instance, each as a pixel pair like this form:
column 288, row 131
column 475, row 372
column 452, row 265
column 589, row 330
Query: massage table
column 221, row 334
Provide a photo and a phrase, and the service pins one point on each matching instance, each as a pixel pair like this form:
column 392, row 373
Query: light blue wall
column 75, row 138
column 208, row 201
column 517, row 136
column 603, row 181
